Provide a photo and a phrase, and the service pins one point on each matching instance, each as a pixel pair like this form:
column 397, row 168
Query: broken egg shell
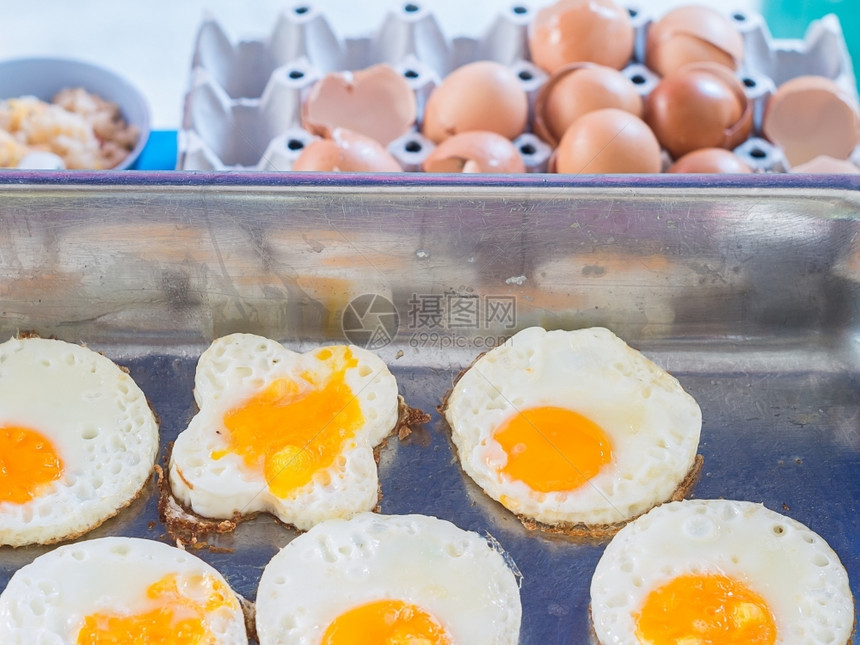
column 577, row 89
column 608, row 141
column 710, row 161
column 810, row 116
column 575, row 31
column 693, row 34
column 484, row 95
column 475, row 151
column 824, row 165
column 377, row 102
column 702, row 105
column 346, row 151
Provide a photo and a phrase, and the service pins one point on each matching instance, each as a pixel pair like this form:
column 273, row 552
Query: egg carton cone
column 242, row 110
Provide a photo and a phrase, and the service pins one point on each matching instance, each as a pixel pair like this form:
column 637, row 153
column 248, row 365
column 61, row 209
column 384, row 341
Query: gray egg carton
column 243, row 108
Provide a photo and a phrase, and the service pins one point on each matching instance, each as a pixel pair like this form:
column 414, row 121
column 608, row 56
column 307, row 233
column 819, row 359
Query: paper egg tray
column 750, row 297
column 243, row 107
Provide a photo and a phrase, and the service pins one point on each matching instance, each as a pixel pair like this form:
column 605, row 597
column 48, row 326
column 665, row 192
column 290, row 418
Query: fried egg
column 77, row 440
column 119, row 590
column 285, row 433
column 720, row 571
column 377, row 579
column 573, row 427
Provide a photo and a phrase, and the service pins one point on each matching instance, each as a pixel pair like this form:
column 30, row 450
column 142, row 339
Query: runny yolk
column 705, row 610
column 28, row 463
column 553, row 449
column 385, row 622
column 178, row 612
column 292, row 431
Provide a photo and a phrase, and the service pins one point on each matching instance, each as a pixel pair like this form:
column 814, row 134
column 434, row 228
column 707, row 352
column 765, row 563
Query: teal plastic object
column 160, row 151
column 790, row 19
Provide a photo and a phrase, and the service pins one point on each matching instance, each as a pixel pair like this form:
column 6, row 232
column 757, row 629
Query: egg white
column 453, row 574
column 47, row 600
column 792, row 568
column 653, row 424
column 96, row 417
column 232, row 370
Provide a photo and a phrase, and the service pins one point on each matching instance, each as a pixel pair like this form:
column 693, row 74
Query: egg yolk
column 386, row 622
column 705, row 610
column 177, row 616
column 28, row 463
column 552, row 449
column 291, row 431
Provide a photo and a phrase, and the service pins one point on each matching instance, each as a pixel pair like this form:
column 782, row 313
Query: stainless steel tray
column 745, row 288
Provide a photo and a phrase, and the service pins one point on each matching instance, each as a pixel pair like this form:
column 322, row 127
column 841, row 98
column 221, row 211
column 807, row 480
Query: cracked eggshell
column 824, row 165
column 577, row 89
column 475, row 151
column 702, row 105
column 810, row 116
column 608, row 141
column 483, row 95
column 710, row 161
column 693, row 34
column 376, row 102
column 574, row 31
column 346, row 151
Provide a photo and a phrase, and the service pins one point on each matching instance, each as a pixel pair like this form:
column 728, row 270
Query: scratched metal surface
column 746, row 291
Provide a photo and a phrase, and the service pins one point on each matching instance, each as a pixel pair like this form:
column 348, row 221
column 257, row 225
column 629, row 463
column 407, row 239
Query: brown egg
column 346, row 151
column 377, row 102
column 576, row 31
column 810, row 116
column 702, row 105
column 608, row 141
column 710, row 160
column 479, row 96
column 824, row 165
column 693, row 34
column 475, row 151
column 577, row 89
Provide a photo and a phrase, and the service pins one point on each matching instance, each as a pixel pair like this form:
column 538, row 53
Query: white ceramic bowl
column 44, row 77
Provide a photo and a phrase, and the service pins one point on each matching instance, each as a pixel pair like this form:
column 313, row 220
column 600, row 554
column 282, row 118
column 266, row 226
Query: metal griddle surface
column 745, row 290
column 786, row 438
